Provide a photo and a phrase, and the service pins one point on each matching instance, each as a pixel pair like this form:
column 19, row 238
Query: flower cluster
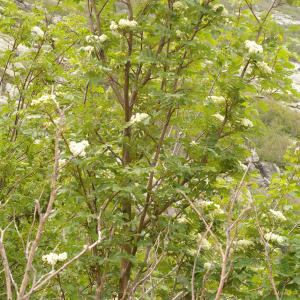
column 125, row 23
column 246, row 122
column 216, row 99
column 53, row 258
column 96, row 38
column 78, row 149
column 264, row 67
column 43, row 99
column 179, row 33
column 206, row 203
column 242, row 244
column 253, row 47
column 277, row 214
column 207, row 266
column 178, row 6
column 12, row 90
column 89, row 49
column 273, row 237
column 205, row 244
column 37, row 31
column 3, row 100
column 139, row 117
column 214, row 207
column 219, row 117
column 113, row 26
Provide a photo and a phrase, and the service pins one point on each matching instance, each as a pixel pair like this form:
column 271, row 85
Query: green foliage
column 122, row 136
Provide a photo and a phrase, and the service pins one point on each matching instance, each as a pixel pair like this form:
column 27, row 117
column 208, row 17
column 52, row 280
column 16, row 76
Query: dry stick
column 203, row 220
column 5, row 263
column 152, row 266
column 52, row 274
column 267, row 254
column 195, row 263
column 160, row 280
column 44, row 217
column 203, row 290
column 226, row 255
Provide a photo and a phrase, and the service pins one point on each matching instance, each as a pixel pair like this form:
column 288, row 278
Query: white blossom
column 205, row 203
column 43, row 99
column 246, row 122
column 89, row 49
column 193, row 143
column 278, row 214
column 22, row 49
column 113, row 26
column 78, row 149
column 273, row 237
column 253, row 47
column 182, row 220
column 10, row 72
column 205, row 244
column 50, row 258
column 219, row 117
column 3, row 100
column 139, row 117
column 241, row 244
column 264, row 67
column 178, row 5
column 62, row 256
column 179, row 33
column 217, row 212
column 53, row 258
column 96, row 38
column 37, row 31
column 216, row 99
column 125, row 23
column 207, row 266
column 61, row 162
column 102, row 38
column 12, row 90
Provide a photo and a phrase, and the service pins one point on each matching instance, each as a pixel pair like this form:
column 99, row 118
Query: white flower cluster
column 205, row 244
column 217, row 211
column 126, row 23
column 89, row 49
column 78, row 149
column 96, row 38
column 264, row 67
column 246, row 122
column 241, row 244
column 193, row 143
column 43, row 99
column 206, row 203
column 273, row 237
column 207, row 266
column 37, row 31
column 62, row 162
column 12, row 90
column 113, row 26
column 215, row 208
column 216, row 99
column 219, row 117
column 253, row 47
column 178, row 6
column 277, row 214
column 53, row 258
column 179, row 33
column 3, row 100
column 139, row 117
